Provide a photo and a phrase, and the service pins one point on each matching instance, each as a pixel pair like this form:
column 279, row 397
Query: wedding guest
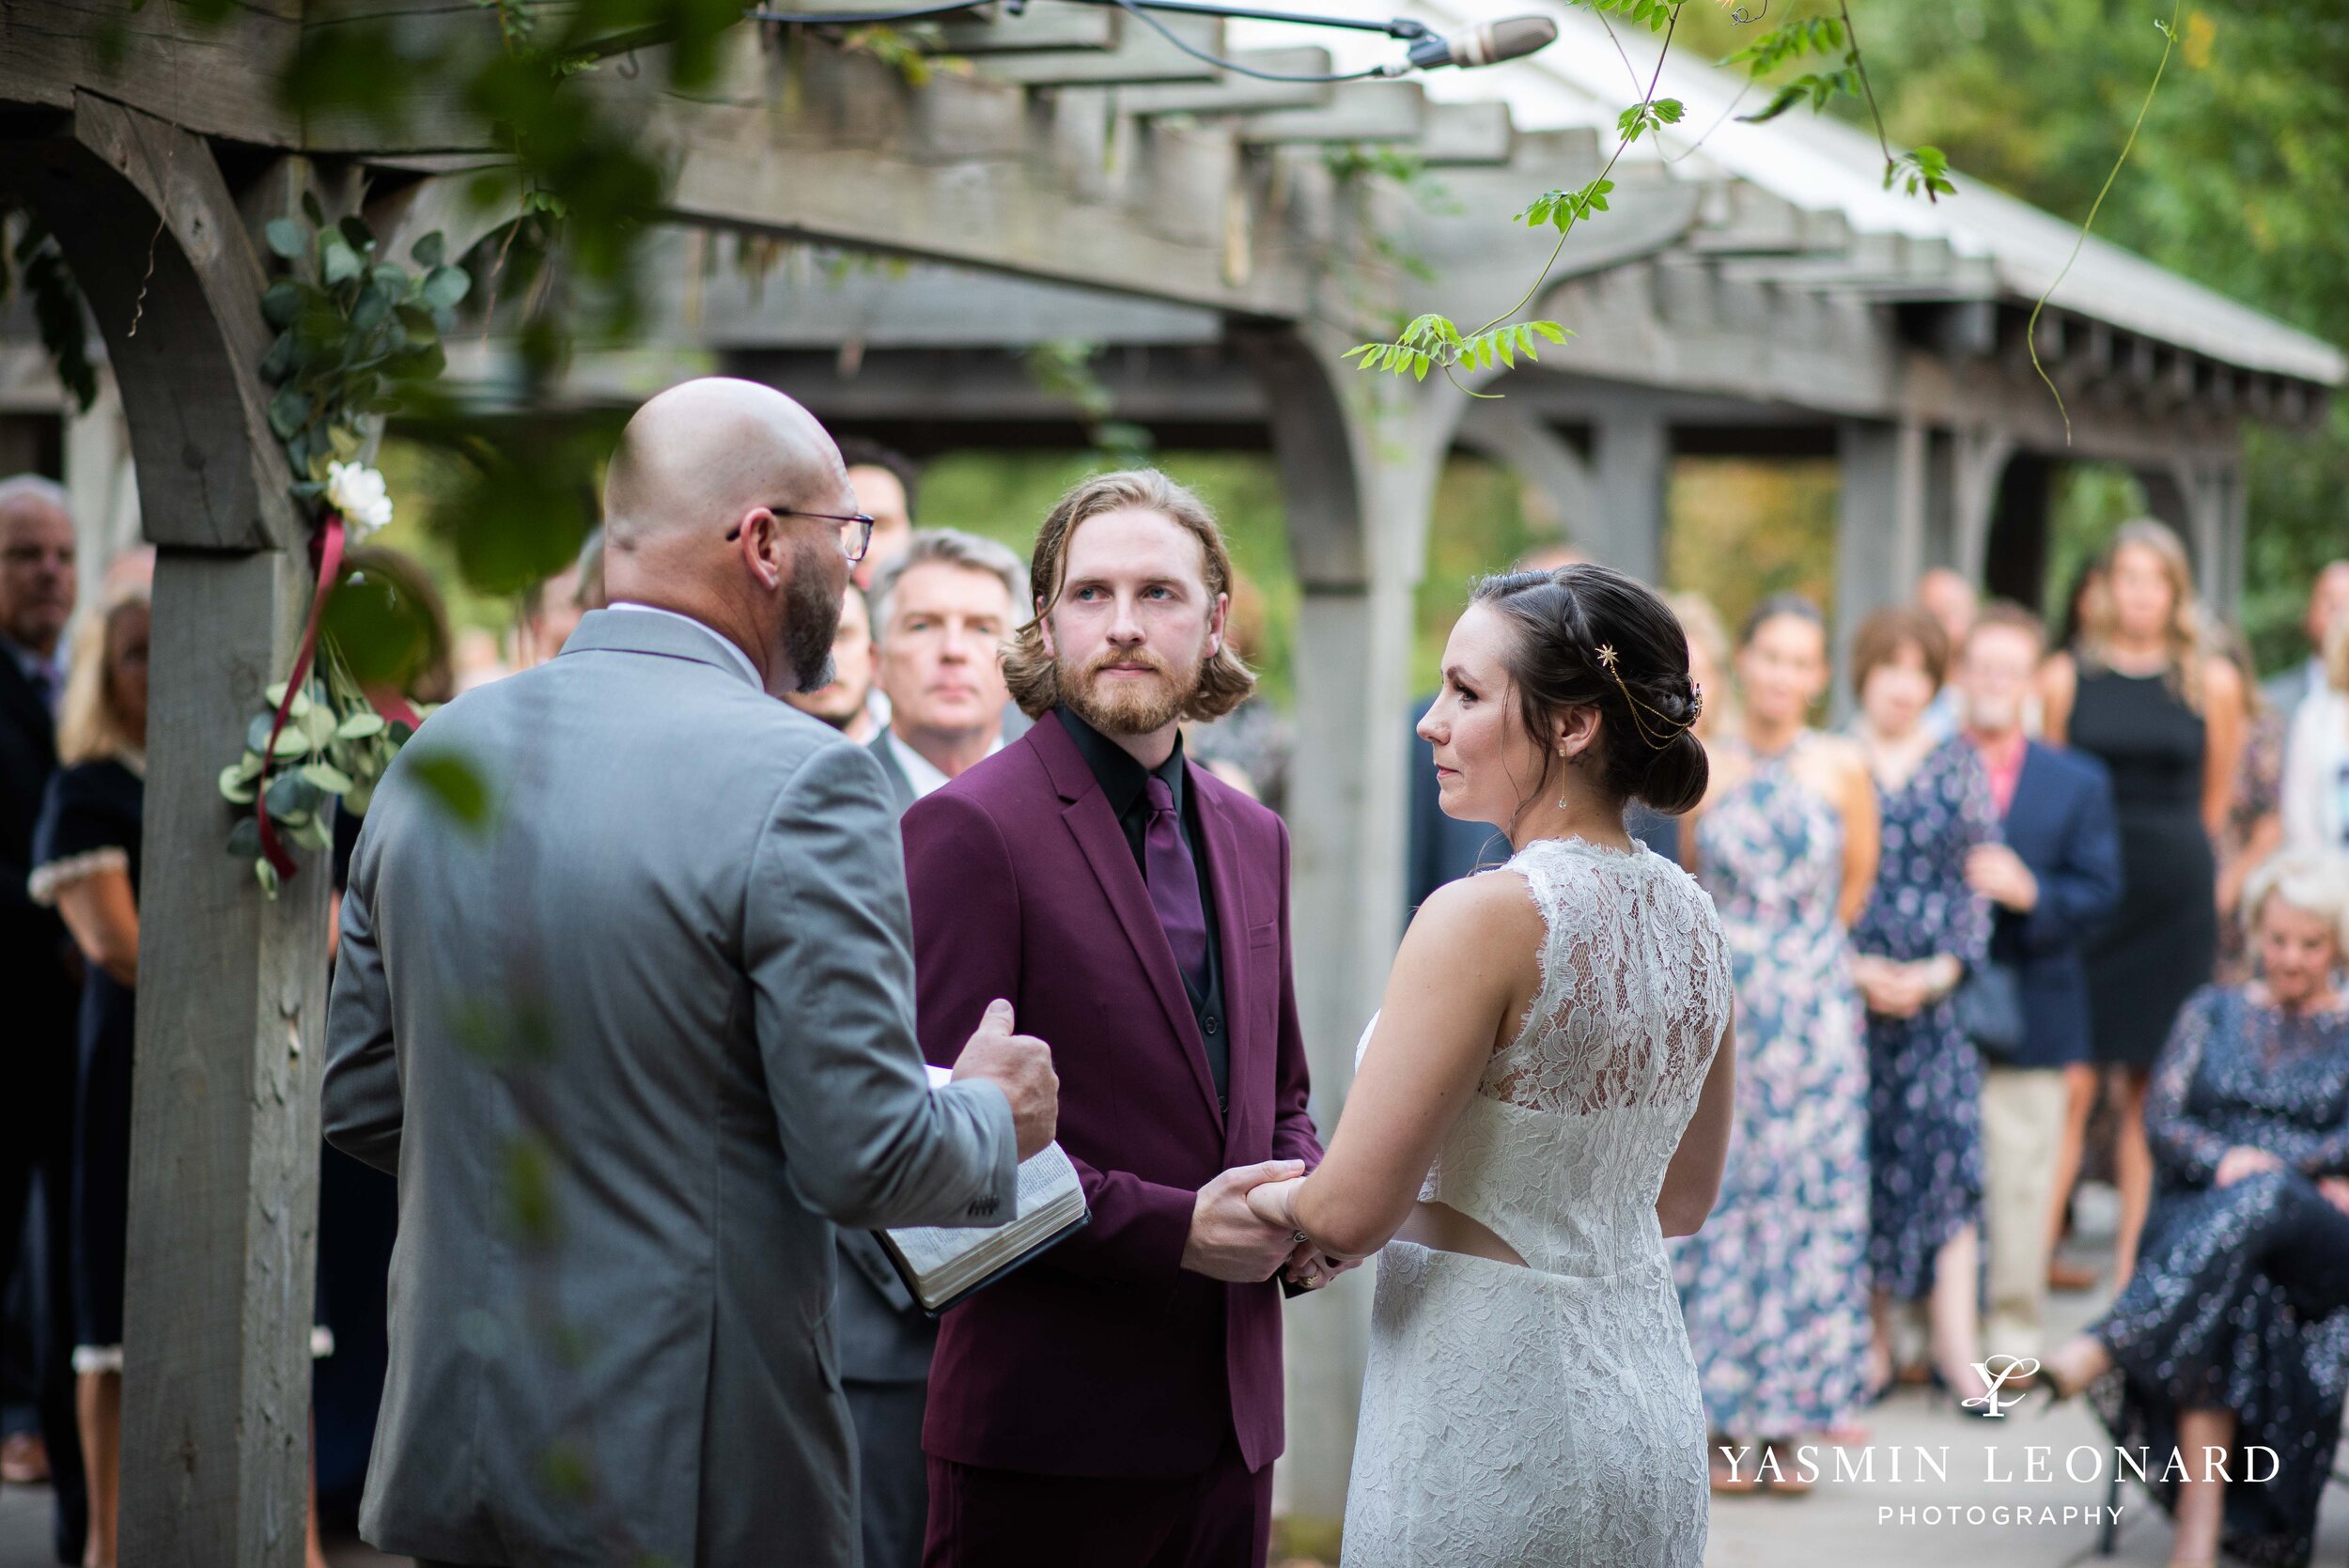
column 1249, row 747
column 37, row 969
column 2055, row 877
column 2254, row 827
column 1708, row 662
column 843, row 702
column 941, row 612
column 1924, row 929
column 1775, row 1286
column 946, row 603
column 2328, row 607
column 1950, row 600
column 2230, row 1336
column 86, row 865
column 2316, row 757
column 1118, row 1403
column 550, row 612
column 2142, row 693
column 884, row 480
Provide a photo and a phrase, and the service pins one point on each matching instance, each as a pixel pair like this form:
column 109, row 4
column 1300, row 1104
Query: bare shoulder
column 2222, row 683
column 1477, row 915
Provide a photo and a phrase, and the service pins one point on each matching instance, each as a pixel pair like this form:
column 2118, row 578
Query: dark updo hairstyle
column 1647, row 706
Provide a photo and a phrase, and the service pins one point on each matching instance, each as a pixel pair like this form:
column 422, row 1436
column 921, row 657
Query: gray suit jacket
column 631, row 1048
column 900, row 788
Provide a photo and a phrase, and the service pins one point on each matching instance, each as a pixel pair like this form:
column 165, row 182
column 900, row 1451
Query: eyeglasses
column 856, row 530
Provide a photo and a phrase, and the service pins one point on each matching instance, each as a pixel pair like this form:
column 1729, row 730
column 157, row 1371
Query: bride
column 1544, row 1097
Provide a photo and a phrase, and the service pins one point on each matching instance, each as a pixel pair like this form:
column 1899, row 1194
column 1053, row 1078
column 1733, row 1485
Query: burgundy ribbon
column 326, row 553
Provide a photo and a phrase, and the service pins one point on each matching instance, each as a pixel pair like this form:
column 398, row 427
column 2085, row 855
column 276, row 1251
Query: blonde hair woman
column 2143, row 692
column 86, row 862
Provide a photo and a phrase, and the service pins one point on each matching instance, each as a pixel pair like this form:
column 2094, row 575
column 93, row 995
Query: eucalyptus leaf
column 312, row 210
column 293, row 741
column 289, row 793
column 314, row 833
column 444, row 286
column 374, row 308
column 318, row 722
column 288, row 411
column 338, row 261
column 286, row 239
column 428, row 250
column 356, row 234
column 279, row 362
column 327, row 777
column 360, row 725
column 235, row 786
column 256, row 733
column 281, row 304
column 245, row 839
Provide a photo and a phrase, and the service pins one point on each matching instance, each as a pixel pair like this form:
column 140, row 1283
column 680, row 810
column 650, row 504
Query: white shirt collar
column 741, row 659
column 918, row 770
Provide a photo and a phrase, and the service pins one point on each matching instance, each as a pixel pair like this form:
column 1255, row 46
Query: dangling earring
column 1561, row 784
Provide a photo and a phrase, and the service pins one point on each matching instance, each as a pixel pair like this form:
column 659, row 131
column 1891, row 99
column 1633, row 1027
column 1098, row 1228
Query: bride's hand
column 1275, row 1203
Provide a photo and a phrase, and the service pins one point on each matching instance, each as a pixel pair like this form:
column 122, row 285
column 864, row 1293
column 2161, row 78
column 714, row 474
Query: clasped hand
column 1240, row 1237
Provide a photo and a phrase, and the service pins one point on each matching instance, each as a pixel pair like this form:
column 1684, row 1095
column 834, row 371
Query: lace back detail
column 1635, row 989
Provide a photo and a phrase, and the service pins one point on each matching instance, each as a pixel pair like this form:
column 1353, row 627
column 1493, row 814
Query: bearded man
column 1118, row 1401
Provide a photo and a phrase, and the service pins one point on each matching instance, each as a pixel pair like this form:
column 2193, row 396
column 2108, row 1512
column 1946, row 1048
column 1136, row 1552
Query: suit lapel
column 17, row 692
column 1105, row 849
column 1103, row 843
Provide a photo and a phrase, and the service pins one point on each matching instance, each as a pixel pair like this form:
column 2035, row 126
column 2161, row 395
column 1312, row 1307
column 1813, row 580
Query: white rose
column 358, row 492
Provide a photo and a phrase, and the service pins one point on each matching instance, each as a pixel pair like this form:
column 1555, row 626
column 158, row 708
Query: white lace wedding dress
column 1549, row 1414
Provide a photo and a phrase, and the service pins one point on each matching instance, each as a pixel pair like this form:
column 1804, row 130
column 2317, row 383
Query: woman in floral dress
column 1774, row 1288
column 1923, row 930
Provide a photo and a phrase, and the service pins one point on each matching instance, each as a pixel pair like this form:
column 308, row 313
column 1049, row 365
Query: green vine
column 36, row 262
column 354, row 331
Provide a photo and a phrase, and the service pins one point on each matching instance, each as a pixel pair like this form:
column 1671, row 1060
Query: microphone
column 1485, row 44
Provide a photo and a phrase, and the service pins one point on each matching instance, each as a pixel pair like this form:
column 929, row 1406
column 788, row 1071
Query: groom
column 1119, row 1401
column 634, row 1045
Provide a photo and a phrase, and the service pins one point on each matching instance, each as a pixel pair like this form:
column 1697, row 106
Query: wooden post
column 224, row 1117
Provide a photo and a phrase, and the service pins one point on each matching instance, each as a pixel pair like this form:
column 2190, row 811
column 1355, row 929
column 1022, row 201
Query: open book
column 941, row 1264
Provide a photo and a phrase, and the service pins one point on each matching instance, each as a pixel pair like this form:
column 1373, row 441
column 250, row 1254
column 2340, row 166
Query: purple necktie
column 1173, row 879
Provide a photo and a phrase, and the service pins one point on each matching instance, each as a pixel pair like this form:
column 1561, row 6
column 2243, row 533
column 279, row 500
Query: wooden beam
column 1233, row 93
column 1357, row 112
column 1141, row 54
column 1466, row 133
column 217, row 80
column 225, row 1116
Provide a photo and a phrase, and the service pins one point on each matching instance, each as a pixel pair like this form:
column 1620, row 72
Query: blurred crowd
column 2043, row 907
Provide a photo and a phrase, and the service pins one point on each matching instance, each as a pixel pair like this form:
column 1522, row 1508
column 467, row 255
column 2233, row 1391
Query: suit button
column 1214, row 1024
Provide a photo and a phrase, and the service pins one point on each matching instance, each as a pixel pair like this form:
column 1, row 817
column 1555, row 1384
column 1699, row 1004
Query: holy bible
column 943, row 1264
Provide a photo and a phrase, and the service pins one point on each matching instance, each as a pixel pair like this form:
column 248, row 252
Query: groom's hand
column 1229, row 1240
column 1022, row 1066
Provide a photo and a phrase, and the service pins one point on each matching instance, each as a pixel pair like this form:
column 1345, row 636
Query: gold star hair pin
column 1672, row 728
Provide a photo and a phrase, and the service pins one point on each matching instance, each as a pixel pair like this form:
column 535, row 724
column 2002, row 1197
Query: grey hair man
column 37, row 589
column 638, row 1041
column 941, row 612
column 2328, row 604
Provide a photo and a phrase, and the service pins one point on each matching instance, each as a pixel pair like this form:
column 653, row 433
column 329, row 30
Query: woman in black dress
column 2233, row 1334
column 85, row 862
column 2142, row 695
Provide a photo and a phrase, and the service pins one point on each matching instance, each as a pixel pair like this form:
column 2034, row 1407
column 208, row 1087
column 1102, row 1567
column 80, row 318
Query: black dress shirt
column 1122, row 781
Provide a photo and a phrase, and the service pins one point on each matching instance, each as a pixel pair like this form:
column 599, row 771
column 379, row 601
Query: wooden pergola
column 1084, row 178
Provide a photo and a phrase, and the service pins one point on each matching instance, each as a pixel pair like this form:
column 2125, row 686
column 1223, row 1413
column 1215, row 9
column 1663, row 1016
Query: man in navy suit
column 2057, row 875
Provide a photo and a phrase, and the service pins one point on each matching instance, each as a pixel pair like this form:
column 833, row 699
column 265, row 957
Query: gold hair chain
column 1672, row 728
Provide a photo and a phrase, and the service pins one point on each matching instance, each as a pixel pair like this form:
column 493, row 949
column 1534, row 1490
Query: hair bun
column 1676, row 775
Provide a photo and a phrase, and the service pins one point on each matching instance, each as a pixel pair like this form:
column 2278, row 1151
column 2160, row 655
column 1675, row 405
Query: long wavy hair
column 1029, row 669
column 2185, row 636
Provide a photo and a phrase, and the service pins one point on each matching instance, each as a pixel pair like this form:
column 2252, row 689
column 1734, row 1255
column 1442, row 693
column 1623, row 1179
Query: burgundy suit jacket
column 1104, row 1358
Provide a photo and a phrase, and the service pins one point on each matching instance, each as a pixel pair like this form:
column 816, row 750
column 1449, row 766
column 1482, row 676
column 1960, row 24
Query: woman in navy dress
column 1923, row 930
column 2145, row 695
column 86, row 862
column 2233, row 1333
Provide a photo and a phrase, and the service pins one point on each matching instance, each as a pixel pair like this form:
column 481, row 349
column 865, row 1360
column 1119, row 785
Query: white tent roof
column 1584, row 80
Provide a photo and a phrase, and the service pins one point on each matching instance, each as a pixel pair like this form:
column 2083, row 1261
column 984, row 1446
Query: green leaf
column 244, row 838
column 1783, row 100
column 281, row 304
column 290, row 794
column 312, row 210
column 293, row 741
column 338, row 261
column 360, row 725
column 426, row 252
column 267, row 874
column 356, row 234
column 374, row 308
column 1668, row 110
column 288, row 411
column 444, row 286
column 235, row 785
column 327, row 777
column 451, row 781
column 285, row 238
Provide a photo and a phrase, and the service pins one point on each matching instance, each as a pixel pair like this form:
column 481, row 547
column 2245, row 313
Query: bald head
column 705, row 513
column 700, row 455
